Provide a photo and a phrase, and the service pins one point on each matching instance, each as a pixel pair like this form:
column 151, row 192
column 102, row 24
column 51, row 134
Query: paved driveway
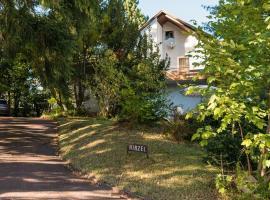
column 30, row 169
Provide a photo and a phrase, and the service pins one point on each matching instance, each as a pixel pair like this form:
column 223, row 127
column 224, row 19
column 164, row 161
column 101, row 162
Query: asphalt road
column 30, row 168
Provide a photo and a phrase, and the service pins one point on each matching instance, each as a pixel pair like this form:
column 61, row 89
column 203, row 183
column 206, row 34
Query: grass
column 173, row 172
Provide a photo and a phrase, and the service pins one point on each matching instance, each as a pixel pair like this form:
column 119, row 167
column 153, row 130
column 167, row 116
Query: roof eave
column 178, row 22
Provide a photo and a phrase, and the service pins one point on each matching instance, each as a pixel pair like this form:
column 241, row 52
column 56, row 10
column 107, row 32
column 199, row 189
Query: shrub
column 142, row 109
column 181, row 129
column 243, row 186
column 227, row 145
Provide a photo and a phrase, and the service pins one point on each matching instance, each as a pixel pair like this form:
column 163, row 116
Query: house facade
column 174, row 39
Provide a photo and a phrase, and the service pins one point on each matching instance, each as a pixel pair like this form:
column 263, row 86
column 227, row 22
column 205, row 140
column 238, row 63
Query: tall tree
column 36, row 31
column 83, row 19
column 134, row 14
column 118, row 32
column 236, row 60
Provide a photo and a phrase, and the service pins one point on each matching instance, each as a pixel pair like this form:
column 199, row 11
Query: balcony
column 183, row 73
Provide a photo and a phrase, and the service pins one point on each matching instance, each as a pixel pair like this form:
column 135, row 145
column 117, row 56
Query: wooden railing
column 183, row 72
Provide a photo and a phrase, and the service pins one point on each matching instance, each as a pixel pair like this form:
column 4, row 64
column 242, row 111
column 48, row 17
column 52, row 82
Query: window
column 184, row 63
column 168, row 35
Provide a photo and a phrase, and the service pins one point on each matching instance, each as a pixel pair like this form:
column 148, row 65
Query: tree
column 82, row 18
column 35, row 30
column 72, row 47
column 128, row 74
column 236, row 60
column 134, row 13
column 118, row 33
column 142, row 98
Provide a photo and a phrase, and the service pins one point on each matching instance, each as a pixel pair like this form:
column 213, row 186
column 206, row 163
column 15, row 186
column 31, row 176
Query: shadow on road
column 30, row 168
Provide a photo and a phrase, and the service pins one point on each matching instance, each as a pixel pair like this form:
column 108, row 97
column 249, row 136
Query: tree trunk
column 9, row 101
column 58, row 98
column 79, row 91
column 79, row 88
column 16, row 103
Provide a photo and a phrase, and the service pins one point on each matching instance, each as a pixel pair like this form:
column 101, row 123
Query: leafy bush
column 142, row 94
column 181, row 129
column 142, row 109
column 243, row 186
column 108, row 80
column 241, row 79
column 223, row 183
column 131, row 86
column 54, row 109
column 227, row 145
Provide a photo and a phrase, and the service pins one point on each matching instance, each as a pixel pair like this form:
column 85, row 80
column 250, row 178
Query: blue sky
column 184, row 9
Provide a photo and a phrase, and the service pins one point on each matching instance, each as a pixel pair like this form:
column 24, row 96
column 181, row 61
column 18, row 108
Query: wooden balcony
column 184, row 73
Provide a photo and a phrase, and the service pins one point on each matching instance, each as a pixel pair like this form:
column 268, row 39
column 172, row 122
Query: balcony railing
column 183, row 72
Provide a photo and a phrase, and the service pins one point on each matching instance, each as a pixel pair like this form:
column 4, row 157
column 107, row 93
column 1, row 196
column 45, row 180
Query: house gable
column 162, row 17
column 174, row 39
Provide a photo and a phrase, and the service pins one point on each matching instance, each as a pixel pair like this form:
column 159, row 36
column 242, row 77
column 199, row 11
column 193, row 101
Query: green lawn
column 173, row 172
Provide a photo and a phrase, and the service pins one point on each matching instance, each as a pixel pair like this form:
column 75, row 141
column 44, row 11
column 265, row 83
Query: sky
column 186, row 10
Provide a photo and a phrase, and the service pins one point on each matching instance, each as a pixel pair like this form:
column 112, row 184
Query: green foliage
column 180, row 128
column 42, row 39
column 236, row 60
column 134, row 14
column 130, row 87
column 223, row 183
column 248, row 187
column 75, row 47
column 143, row 100
column 54, row 110
column 21, row 89
column 142, row 109
column 127, row 74
column 117, row 31
column 227, row 145
column 107, row 82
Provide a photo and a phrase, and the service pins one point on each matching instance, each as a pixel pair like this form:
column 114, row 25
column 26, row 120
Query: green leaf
column 222, row 190
column 247, row 142
column 206, row 135
column 267, row 163
column 211, row 79
column 255, row 109
column 204, row 143
column 195, row 136
column 266, row 6
column 189, row 115
column 217, row 112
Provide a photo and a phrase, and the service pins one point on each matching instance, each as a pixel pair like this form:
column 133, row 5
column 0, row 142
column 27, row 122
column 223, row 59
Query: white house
column 175, row 39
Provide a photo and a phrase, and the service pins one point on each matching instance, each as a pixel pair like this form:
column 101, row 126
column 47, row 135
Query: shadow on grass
column 173, row 171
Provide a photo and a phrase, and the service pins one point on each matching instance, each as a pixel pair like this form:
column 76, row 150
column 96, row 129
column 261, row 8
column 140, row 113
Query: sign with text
column 138, row 148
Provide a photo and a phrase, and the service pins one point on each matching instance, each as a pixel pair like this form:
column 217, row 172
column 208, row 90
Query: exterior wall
column 178, row 50
column 179, row 100
column 184, row 43
column 159, row 40
column 154, row 30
